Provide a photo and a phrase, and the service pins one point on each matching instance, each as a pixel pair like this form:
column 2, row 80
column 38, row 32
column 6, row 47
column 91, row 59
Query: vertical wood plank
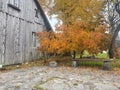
column 22, row 41
column 2, row 37
column 16, row 39
column 9, row 55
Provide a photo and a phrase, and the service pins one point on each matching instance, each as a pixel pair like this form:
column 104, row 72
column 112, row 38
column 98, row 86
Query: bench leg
column 74, row 63
column 106, row 65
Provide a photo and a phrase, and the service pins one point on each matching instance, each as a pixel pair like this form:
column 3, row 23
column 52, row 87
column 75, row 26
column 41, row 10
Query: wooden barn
column 19, row 22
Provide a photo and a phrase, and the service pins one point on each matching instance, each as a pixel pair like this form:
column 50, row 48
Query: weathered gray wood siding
column 2, row 36
column 16, row 32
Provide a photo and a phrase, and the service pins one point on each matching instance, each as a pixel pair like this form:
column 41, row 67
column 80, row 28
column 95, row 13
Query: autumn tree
column 69, row 11
column 46, row 4
column 82, row 27
column 76, row 38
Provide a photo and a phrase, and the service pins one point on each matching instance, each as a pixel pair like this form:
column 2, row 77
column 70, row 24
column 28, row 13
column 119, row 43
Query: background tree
column 113, row 15
column 47, row 4
column 69, row 11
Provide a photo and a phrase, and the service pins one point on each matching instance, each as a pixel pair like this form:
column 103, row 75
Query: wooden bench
column 106, row 62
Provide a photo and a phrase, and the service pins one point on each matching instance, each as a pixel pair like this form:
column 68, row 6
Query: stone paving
column 59, row 78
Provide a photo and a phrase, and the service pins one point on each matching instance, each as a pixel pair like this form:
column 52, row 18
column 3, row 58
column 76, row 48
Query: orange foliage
column 75, row 37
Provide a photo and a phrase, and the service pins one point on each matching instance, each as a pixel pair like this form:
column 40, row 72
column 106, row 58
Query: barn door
column 2, row 37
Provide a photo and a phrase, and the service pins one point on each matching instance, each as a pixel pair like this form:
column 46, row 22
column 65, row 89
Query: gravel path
column 59, row 78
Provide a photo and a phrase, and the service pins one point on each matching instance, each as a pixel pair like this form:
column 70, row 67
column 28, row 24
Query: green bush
column 102, row 55
column 91, row 64
column 116, row 63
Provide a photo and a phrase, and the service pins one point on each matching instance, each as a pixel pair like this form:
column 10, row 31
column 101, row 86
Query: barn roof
column 47, row 23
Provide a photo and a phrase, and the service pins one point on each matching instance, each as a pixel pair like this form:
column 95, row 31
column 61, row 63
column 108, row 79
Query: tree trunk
column 74, row 54
column 81, row 53
column 111, row 48
column 67, row 54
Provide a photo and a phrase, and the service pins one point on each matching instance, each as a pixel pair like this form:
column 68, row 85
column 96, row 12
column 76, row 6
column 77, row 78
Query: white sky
column 53, row 20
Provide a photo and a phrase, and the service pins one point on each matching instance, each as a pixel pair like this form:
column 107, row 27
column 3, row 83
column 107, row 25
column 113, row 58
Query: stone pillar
column 74, row 63
column 53, row 64
column 106, row 65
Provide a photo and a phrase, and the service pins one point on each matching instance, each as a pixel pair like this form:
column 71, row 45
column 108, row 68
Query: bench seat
column 106, row 62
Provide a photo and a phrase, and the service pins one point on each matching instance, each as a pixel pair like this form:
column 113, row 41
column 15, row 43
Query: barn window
column 14, row 4
column 35, row 40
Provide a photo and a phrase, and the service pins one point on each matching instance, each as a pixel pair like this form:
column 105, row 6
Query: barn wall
column 16, row 32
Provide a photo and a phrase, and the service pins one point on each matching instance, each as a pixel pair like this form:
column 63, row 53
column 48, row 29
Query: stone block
column 74, row 63
column 53, row 64
column 106, row 65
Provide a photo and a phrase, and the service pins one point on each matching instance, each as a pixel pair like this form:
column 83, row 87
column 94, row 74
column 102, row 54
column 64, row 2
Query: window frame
column 35, row 40
column 15, row 4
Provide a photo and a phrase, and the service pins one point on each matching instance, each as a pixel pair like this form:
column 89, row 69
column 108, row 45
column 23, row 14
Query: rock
column 53, row 64
column 88, row 83
column 105, row 87
column 2, row 87
column 78, row 87
column 55, row 84
column 117, row 85
column 74, row 63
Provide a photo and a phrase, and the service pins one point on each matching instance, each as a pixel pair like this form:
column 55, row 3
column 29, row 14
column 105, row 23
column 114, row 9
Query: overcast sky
column 53, row 21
